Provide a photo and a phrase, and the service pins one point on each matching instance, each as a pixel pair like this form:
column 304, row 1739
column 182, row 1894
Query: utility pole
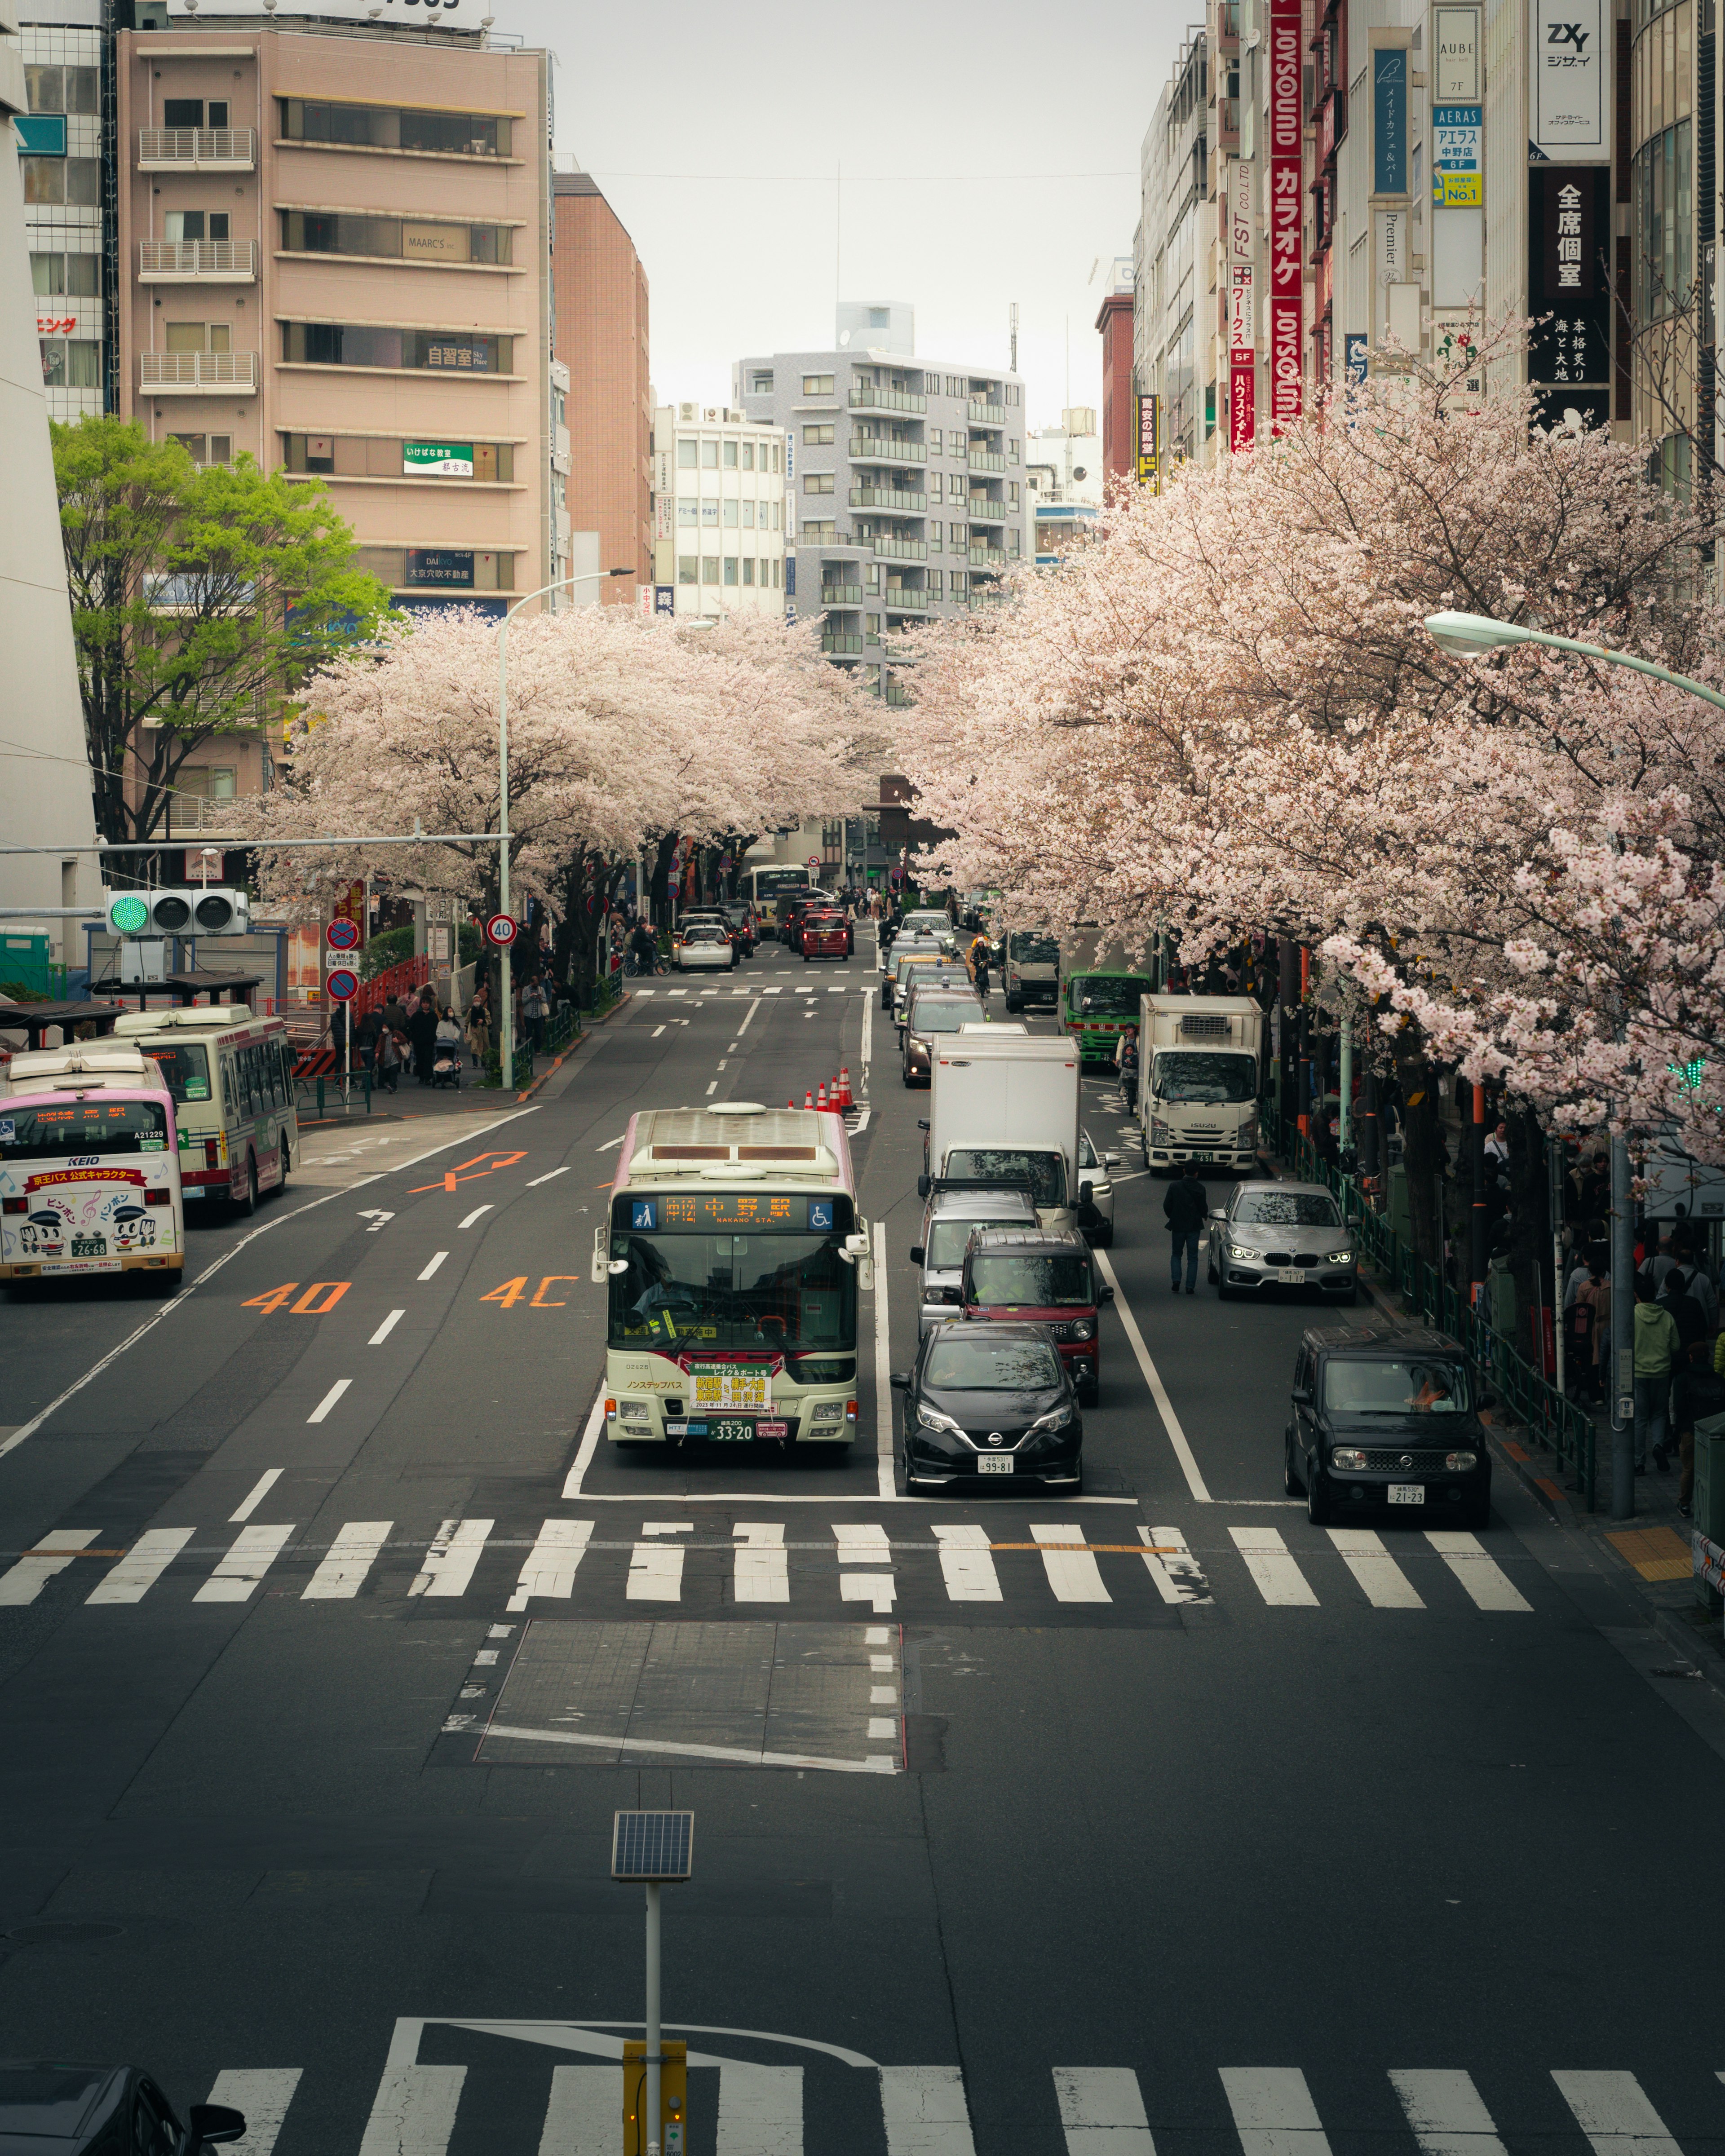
column 1621, row 1374
column 1477, row 1240
column 1554, row 1178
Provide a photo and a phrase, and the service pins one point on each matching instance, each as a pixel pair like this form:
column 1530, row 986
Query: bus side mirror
column 601, row 1254
column 922, row 1186
column 918, row 1251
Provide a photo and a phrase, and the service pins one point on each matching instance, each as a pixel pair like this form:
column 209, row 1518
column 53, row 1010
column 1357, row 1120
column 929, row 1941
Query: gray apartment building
column 904, row 485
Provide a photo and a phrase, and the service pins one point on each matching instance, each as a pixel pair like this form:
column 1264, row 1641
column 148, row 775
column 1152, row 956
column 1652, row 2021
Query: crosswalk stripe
column 864, row 1543
column 967, row 1564
column 1274, row 1572
column 1613, row 2112
column 762, row 1573
column 237, row 1575
column 1178, row 1574
column 1385, row 1585
column 143, row 1564
column 1073, row 1574
column 263, row 2094
column 760, row 2110
column 413, row 2112
column 453, row 1557
column 581, row 2117
column 1273, row 2112
column 27, row 1578
column 350, row 1557
column 551, row 1564
column 1445, row 2112
column 655, row 1569
column 924, row 2111
column 1102, row 2112
column 1485, row 1581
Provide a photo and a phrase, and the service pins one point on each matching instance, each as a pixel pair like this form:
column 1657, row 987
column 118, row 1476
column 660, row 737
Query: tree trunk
column 1530, row 1229
column 658, row 883
column 1421, row 1156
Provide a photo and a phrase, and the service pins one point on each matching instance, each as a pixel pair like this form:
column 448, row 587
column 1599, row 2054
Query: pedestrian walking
column 534, row 1008
column 1185, row 1208
column 1656, row 1349
column 421, row 1032
column 1126, row 1062
column 387, row 1059
column 479, row 1025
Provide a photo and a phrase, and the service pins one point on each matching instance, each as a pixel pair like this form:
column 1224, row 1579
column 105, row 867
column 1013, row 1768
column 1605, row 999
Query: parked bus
column 90, row 1183
column 733, row 1255
column 232, row 1078
column 769, row 885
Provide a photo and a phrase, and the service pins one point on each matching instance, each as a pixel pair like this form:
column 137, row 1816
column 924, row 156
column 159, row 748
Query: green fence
column 1560, row 1425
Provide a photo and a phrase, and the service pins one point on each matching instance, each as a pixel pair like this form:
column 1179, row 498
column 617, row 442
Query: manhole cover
column 66, row 1934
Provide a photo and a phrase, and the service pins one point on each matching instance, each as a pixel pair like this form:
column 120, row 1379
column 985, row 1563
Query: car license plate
column 732, row 1433
column 1201, row 1156
column 1407, row 1493
column 732, row 1386
column 1291, row 1276
column 772, row 1429
column 993, row 1463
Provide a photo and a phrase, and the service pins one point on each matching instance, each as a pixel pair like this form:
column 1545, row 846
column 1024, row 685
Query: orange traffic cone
column 807, row 1099
column 841, row 1091
column 821, row 1103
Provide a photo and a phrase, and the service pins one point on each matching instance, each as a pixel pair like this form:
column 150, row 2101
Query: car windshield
column 1033, row 950
column 1044, row 1171
column 961, row 1362
column 1396, row 1388
column 184, row 1065
column 47, row 2100
column 926, row 924
column 1287, row 1209
column 942, row 1013
column 1107, row 995
column 1036, row 1283
column 1187, row 1074
column 59, row 1130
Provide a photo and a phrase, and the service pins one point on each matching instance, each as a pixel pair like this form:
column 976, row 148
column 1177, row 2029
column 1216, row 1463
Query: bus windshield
column 1107, row 995
column 62, row 1130
column 184, row 1065
column 776, row 883
column 765, row 1292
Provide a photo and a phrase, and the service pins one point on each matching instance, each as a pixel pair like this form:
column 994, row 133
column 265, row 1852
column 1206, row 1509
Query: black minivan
column 1386, row 1417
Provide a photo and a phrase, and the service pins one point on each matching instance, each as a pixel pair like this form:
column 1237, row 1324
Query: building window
column 438, row 568
column 74, row 181
column 71, row 276
column 360, row 456
column 199, row 336
column 383, row 127
column 207, row 449
column 688, row 512
column 338, row 344
column 934, row 441
column 731, row 456
column 956, row 535
column 816, row 385
column 389, row 239
column 761, row 383
column 730, row 568
column 709, row 455
column 63, row 88
column 960, row 583
column 183, row 224
column 1664, row 223
column 688, row 569
column 748, row 516
column 709, row 568
column 934, row 486
column 710, row 510
column 730, row 511
column 748, row 456
column 817, row 534
column 1012, row 452
column 748, row 568
column 934, row 584
column 688, row 453
column 71, row 363
column 816, row 482
column 815, row 432
column 1012, row 493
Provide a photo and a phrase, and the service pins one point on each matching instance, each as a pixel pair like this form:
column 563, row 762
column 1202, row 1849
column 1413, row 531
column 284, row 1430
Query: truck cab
column 1198, row 1078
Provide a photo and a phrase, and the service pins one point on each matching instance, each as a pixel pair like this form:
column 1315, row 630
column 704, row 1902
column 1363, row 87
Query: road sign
column 501, row 931
column 343, row 935
column 813, row 863
column 343, row 984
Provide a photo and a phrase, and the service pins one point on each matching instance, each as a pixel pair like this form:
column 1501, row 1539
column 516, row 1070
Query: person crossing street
column 1185, row 1208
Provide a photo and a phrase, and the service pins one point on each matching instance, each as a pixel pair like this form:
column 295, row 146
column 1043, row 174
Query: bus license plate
column 731, row 1386
column 732, row 1433
column 993, row 1463
column 1407, row 1493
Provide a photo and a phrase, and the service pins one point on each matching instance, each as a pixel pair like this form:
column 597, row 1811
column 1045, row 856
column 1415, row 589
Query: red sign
column 1242, row 401
column 501, row 931
column 342, row 984
column 350, row 905
column 1286, row 199
column 55, row 325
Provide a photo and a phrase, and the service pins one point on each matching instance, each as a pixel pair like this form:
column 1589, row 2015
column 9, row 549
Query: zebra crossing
column 923, row 1568
column 801, row 988
column 925, row 2111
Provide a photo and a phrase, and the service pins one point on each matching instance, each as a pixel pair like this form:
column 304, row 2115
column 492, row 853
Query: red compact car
column 825, row 936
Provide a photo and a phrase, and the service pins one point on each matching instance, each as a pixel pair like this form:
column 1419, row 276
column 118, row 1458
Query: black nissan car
column 1388, row 1417
column 990, row 1399
column 51, row 2107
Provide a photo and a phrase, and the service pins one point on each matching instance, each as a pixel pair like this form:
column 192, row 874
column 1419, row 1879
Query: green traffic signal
column 128, row 914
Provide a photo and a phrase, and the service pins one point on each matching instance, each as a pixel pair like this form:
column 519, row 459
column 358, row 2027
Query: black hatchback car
column 1385, row 1416
column 989, row 1399
column 48, row 2108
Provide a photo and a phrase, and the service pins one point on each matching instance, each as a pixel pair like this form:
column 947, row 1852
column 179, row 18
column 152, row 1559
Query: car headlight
column 1083, row 1329
column 1056, row 1418
column 1347, row 1456
column 1340, row 1257
column 933, row 1419
column 1458, row 1463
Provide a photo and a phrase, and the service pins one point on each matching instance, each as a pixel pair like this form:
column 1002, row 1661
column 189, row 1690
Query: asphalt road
column 1205, row 1834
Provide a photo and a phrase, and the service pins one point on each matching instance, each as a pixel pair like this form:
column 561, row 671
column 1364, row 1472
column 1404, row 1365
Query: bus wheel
column 246, row 1206
column 287, row 1161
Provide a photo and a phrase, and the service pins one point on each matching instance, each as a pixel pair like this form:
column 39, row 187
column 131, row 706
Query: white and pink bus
column 90, row 1183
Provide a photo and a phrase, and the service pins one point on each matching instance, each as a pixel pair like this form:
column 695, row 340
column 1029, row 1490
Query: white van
column 232, row 1078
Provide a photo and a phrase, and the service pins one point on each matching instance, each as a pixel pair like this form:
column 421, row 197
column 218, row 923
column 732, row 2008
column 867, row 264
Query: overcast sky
column 715, row 133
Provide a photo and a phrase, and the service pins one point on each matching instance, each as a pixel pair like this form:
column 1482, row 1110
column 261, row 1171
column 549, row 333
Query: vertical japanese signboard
column 1242, row 309
column 1149, row 442
column 1287, row 327
column 1569, row 238
column 1389, row 121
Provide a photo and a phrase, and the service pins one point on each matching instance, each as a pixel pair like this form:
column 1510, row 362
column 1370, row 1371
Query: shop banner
column 1287, row 327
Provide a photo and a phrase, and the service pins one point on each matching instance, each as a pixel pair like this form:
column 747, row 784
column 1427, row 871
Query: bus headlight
column 829, row 1411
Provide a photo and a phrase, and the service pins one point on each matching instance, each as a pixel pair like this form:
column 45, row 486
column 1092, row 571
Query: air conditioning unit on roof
column 710, row 412
column 685, row 411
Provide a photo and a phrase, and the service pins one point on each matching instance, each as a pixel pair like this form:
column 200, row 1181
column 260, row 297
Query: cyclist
column 643, row 949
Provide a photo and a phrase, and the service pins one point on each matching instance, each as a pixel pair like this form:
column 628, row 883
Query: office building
column 718, row 510
column 1114, row 325
column 1173, row 341
column 1063, row 483
column 65, row 170
column 905, row 480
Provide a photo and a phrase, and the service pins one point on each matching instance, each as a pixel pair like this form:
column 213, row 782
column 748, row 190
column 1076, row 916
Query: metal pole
column 1476, row 1147
column 505, row 1016
column 1554, row 1178
column 1344, row 1129
column 1370, row 1128
column 1620, row 1371
column 653, row 2043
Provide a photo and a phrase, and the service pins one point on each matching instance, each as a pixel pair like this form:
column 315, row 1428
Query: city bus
column 770, row 884
column 232, row 1078
column 732, row 1253
column 90, row 1183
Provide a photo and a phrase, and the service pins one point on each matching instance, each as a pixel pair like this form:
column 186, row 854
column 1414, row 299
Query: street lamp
column 505, row 1016
column 1472, row 636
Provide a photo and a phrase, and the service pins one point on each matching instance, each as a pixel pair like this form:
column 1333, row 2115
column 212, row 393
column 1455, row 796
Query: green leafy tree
column 202, row 598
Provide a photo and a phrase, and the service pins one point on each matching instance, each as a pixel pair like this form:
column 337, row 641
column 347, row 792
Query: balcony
column 848, row 646
column 199, row 373
column 983, row 414
column 1227, row 26
column 187, row 261
column 196, row 149
column 1228, row 122
column 863, row 399
column 883, row 448
column 980, row 600
column 988, row 558
column 886, row 497
column 982, row 460
column 901, row 550
column 841, row 595
column 903, row 600
column 984, row 511
column 896, row 696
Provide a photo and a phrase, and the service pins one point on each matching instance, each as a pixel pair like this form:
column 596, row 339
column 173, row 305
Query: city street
column 1155, row 1820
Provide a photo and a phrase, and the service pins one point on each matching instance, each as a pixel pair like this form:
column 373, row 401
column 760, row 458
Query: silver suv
column 953, row 1210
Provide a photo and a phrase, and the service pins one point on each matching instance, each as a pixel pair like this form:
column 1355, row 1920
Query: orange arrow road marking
column 453, row 1176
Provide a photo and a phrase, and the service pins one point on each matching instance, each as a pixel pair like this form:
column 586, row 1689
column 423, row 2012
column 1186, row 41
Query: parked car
column 935, row 1007
column 49, row 2108
column 702, row 944
column 1046, row 1276
column 1093, row 1169
column 986, row 1400
column 1273, row 1235
column 1386, row 1417
column 952, row 1211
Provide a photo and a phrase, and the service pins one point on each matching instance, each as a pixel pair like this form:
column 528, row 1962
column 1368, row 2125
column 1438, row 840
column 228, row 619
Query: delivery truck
column 1199, row 1074
column 1004, row 1108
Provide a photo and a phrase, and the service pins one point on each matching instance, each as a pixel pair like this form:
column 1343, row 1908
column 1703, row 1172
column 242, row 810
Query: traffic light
column 196, row 909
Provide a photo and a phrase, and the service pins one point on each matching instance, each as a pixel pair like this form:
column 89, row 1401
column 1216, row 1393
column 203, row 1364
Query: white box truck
column 1004, row 1107
column 1199, row 1072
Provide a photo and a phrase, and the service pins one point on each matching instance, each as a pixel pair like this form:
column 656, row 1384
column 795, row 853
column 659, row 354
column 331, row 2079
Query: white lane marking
column 386, row 1328
column 1385, row 1585
column 868, row 1036
column 612, row 1144
column 772, row 992
column 1445, row 2112
column 655, row 1569
column 254, row 1550
column 1487, row 1583
column 1073, row 1574
column 1273, row 2112
column 452, row 1559
column 1158, row 1392
column 876, row 1588
column 581, row 2119
column 712, row 1088
column 329, row 1400
column 657, row 1031
column 676, row 992
column 551, row 1177
column 376, row 1215
column 259, row 1490
column 349, row 1558
column 1179, row 1576
column 924, row 2111
column 1102, row 2112
column 761, row 2111
column 883, row 1370
column 551, row 1565
column 861, row 1543
column 478, row 1213
column 762, row 1573
column 968, row 1564
column 413, row 2112
column 437, row 1259
column 1613, row 2112
column 721, row 1063
column 882, row 1725
column 1274, row 1572
column 263, row 2094
column 143, row 1564
column 27, row 1578
column 874, row 1764
column 589, row 1445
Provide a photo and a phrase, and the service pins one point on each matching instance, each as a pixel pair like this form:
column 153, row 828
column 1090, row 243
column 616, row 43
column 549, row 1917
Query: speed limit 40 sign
column 501, row 930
